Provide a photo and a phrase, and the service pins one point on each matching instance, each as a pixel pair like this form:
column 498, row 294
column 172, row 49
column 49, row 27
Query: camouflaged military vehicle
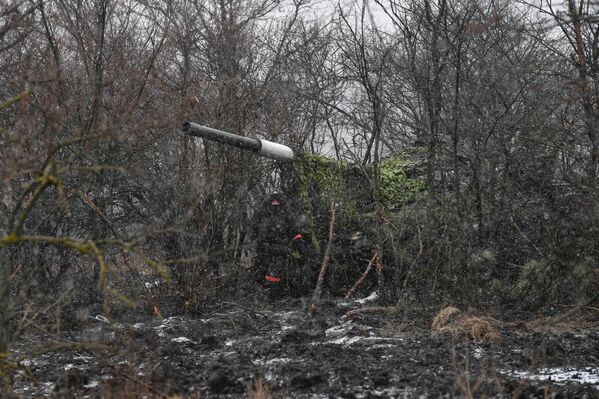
column 311, row 182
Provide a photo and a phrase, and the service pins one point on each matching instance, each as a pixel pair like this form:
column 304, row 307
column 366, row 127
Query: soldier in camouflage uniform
column 273, row 228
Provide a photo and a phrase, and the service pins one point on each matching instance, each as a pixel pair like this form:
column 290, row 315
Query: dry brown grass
column 444, row 320
column 480, row 329
column 258, row 389
column 451, row 321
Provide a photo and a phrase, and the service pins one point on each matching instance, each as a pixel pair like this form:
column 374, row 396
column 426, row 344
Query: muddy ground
column 247, row 348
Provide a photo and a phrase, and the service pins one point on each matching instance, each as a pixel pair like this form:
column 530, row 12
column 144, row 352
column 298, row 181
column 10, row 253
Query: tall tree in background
column 363, row 59
column 579, row 25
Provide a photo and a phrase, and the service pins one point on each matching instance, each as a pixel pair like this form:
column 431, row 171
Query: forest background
column 492, row 105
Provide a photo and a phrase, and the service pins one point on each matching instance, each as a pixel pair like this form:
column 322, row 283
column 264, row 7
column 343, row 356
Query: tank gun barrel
column 262, row 147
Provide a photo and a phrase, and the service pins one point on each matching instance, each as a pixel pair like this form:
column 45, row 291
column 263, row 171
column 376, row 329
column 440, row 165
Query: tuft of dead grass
column 480, row 329
column 451, row 321
column 443, row 321
column 258, row 389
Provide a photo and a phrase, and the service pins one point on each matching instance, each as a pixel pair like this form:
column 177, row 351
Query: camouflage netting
column 316, row 181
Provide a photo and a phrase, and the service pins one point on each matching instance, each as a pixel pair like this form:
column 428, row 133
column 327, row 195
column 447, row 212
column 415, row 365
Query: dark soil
column 243, row 347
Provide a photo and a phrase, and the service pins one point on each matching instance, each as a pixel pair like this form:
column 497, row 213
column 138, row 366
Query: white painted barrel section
column 276, row 151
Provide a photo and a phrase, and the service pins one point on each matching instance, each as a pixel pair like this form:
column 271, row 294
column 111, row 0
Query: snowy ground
column 293, row 355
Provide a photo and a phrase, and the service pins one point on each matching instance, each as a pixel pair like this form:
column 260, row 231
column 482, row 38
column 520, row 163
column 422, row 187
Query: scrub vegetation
column 447, row 157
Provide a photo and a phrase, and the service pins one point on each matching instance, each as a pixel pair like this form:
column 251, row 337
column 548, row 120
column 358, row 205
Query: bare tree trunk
column 476, row 170
column 380, row 235
column 434, row 93
column 455, row 134
column 4, row 299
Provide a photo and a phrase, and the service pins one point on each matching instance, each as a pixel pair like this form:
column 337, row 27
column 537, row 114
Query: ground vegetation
column 447, row 157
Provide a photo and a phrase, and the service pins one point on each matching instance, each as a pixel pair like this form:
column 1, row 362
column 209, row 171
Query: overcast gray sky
column 324, row 9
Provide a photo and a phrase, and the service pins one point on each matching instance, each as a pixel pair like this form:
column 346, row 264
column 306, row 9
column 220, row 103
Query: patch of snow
column 166, row 323
column 380, row 346
column 345, row 340
column 100, row 318
column 150, row 284
column 49, row 386
column 559, row 375
column 370, row 298
column 91, row 385
column 270, row 376
column 478, row 353
column 341, row 335
column 288, row 319
column 181, row 340
column 272, row 361
column 339, row 330
column 394, row 393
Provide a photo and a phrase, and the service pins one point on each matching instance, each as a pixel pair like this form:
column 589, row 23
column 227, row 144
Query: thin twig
column 374, row 309
column 362, row 278
column 413, row 265
column 325, row 265
column 528, row 240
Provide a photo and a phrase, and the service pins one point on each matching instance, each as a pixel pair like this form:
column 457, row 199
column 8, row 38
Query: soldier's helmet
column 276, row 203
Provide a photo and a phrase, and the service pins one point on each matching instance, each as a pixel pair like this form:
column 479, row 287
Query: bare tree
column 580, row 28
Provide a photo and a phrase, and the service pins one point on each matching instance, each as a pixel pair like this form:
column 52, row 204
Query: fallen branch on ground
column 375, row 309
